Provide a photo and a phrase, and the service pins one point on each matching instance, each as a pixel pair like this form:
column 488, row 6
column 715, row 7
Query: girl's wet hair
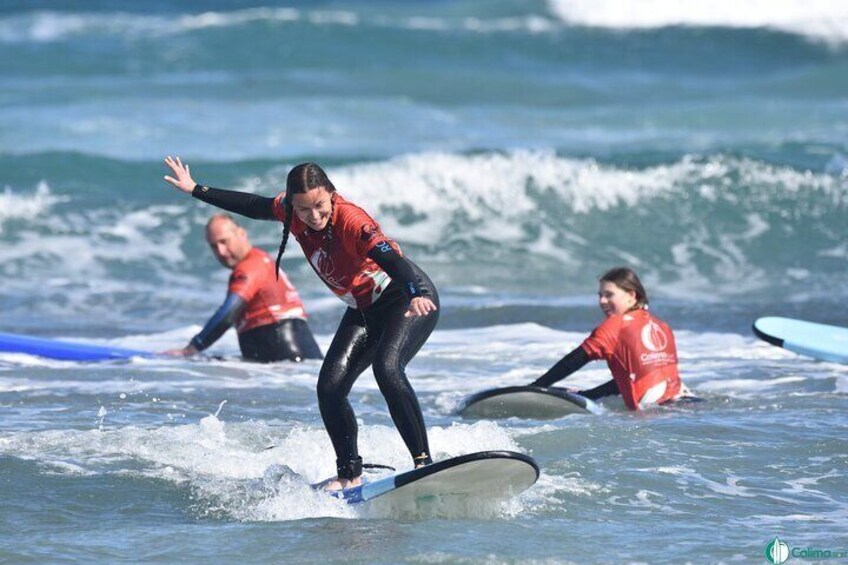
column 301, row 179
column 627, row 279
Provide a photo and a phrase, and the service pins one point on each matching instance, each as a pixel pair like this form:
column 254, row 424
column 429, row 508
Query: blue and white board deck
column 532, row 402
column 486, row 474
column 64, row 350
column 819, row 341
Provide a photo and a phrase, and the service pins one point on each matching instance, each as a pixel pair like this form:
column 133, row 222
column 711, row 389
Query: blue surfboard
column 489, row 474
column 819, row 341
column 64, row 350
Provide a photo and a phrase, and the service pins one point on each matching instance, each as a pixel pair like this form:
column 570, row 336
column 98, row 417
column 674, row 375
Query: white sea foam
column 478, row 358
column 699, row 485
column 821, row 19
column 86, row 239
column 453, row 365
column 222, row 461
column 643, row 501
column 14, row 204
column 228, row 466
column 547, row 494
column 493, row 191
column 838, row 252
column 679, row 470
column 49, row 26
column 749, row 387
column 499, row 181
column 830, row 513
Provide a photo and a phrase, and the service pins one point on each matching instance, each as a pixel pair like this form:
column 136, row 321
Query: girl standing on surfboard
column 392, row 303
column 638, row 347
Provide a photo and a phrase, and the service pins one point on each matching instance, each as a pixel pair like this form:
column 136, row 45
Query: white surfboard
column 532, row 402
column 488, row 474
column 819, row 341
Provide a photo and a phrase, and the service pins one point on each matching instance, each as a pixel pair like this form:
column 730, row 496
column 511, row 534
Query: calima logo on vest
column 326, row 268
column 653, row 337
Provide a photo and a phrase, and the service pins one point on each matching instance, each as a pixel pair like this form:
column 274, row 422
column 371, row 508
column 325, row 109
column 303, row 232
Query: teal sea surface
column 515, row 149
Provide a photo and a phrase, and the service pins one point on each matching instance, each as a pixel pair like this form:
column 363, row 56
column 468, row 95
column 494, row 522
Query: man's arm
column 227, row 315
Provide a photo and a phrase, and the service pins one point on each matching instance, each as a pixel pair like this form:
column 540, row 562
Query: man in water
column 261, row 302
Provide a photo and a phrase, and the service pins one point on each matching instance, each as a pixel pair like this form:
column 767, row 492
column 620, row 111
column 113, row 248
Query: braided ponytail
column 286, row 231
column 328, row 238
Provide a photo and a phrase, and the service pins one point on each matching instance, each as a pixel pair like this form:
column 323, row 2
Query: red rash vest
column 268, row 300
column 641, row 353
column 346, row 270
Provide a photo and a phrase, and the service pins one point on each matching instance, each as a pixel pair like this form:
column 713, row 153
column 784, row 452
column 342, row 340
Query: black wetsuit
column 383, row 337
column 286, row 340
column 380, row 336
column 569, row 364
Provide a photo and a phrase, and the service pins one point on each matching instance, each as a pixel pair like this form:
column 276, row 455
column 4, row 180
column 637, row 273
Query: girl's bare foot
column 341, row 484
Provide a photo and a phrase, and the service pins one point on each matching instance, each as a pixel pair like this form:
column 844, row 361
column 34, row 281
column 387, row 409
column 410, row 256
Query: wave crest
column 819, row 19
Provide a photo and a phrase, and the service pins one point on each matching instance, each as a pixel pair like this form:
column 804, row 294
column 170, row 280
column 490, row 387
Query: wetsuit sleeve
column 564, row 367
column 220, row 322
column 243, row 203
column 396, row 267
column 609, row 388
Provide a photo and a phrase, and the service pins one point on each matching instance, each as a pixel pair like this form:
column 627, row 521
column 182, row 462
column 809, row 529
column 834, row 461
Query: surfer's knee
column 387, row 370
column 330, row 380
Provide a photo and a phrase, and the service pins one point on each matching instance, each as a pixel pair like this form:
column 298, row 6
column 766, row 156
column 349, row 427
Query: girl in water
column 638, row 347
column 392, row 304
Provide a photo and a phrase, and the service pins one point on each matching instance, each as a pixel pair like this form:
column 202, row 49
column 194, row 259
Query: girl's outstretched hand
column 181, row 171
column 420, row 306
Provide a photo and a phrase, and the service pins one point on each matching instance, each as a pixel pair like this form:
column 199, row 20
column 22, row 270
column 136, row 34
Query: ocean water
column 516, row 149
